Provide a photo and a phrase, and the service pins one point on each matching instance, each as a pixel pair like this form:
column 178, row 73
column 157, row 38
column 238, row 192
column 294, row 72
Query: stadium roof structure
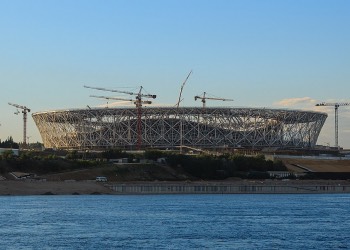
column 169, row 127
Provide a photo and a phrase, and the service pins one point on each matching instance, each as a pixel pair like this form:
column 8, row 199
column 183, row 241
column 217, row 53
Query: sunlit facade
column 168, row 127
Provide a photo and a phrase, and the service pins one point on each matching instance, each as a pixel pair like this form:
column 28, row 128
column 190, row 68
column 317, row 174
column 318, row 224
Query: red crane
column 138, row 103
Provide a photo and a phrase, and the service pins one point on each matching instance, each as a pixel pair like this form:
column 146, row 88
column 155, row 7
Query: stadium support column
column 139, row 127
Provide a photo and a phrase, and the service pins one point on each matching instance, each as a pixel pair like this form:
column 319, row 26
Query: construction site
column 213, row 128
column 192, row 130
column 170, row 128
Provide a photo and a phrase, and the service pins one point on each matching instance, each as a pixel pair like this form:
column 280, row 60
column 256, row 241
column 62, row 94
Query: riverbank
column 241, row 187
column 26, row 187
column 200, row 187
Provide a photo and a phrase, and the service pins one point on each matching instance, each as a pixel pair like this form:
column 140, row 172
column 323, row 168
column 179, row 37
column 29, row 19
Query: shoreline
column 234, row 187
column 26, row 187
column 29, row 187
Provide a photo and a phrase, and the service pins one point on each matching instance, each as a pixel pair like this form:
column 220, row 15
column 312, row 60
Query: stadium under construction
column 171, row 127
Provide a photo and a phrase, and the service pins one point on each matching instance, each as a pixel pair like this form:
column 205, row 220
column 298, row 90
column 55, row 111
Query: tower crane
column 204, row 98
column 25, row 110
column 139, row 94
column 336, row 106
column 138, row 103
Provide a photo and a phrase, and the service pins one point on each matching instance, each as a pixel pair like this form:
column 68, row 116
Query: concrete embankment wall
column 225, row 189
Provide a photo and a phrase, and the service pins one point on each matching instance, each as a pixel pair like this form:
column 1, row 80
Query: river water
column 238, row 221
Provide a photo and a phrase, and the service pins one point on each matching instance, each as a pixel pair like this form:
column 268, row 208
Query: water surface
column 238, row 221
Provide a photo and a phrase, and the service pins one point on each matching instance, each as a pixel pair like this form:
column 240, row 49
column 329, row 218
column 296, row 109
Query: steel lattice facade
column 170, row 127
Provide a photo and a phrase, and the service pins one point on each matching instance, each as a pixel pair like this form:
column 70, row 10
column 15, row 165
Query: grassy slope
column 123, row 172
column 319, row 165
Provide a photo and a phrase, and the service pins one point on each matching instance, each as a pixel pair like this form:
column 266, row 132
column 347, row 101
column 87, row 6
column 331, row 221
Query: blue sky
column 278, row 54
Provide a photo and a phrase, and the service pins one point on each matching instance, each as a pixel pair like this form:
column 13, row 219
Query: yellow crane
column 25, row 110
column 203, row 98
column 336, row 106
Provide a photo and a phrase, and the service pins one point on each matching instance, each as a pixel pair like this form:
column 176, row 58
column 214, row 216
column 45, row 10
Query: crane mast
column 138, row 103
column 203, row 98
column 177, row 106
column 25, row 110
column 182, row 86
column 336, row 106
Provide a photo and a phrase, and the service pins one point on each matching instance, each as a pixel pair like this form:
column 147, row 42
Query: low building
column 279, row 174
column 121, row 160
column 15, row 151
column 21, row 175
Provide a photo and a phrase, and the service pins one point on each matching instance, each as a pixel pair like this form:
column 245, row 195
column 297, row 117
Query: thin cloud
column 295, row 101
column 115, row 104
column 304, row 103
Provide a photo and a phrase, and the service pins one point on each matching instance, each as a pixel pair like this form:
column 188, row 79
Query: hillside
column 123, row 173
column 318, row 165
column 178, row 168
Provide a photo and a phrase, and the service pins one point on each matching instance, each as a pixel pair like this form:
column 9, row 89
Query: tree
column 72, row 155
column 9, row 143
column 114, row 153
column 8, row 154
column 153, row 154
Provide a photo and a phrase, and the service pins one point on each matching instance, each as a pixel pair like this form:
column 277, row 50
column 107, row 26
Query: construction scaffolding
column 201, row 128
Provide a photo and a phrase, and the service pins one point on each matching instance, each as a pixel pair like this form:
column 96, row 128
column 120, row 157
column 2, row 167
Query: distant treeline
column 206, row 167
column 9, row 143
column 221, row 167
column 31, row 162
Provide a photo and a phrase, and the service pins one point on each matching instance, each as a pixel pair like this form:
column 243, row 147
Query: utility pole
column 28, row 141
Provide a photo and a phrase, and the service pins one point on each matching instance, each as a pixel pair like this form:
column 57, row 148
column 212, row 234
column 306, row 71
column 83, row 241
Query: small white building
column 121, row 160
column 15, row 151
column 279, row 174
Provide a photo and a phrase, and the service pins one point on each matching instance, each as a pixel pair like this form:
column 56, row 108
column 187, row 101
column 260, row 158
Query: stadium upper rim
column 168, row 127
column 180, row 108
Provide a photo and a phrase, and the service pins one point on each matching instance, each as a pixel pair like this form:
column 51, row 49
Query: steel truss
column 170, row 127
